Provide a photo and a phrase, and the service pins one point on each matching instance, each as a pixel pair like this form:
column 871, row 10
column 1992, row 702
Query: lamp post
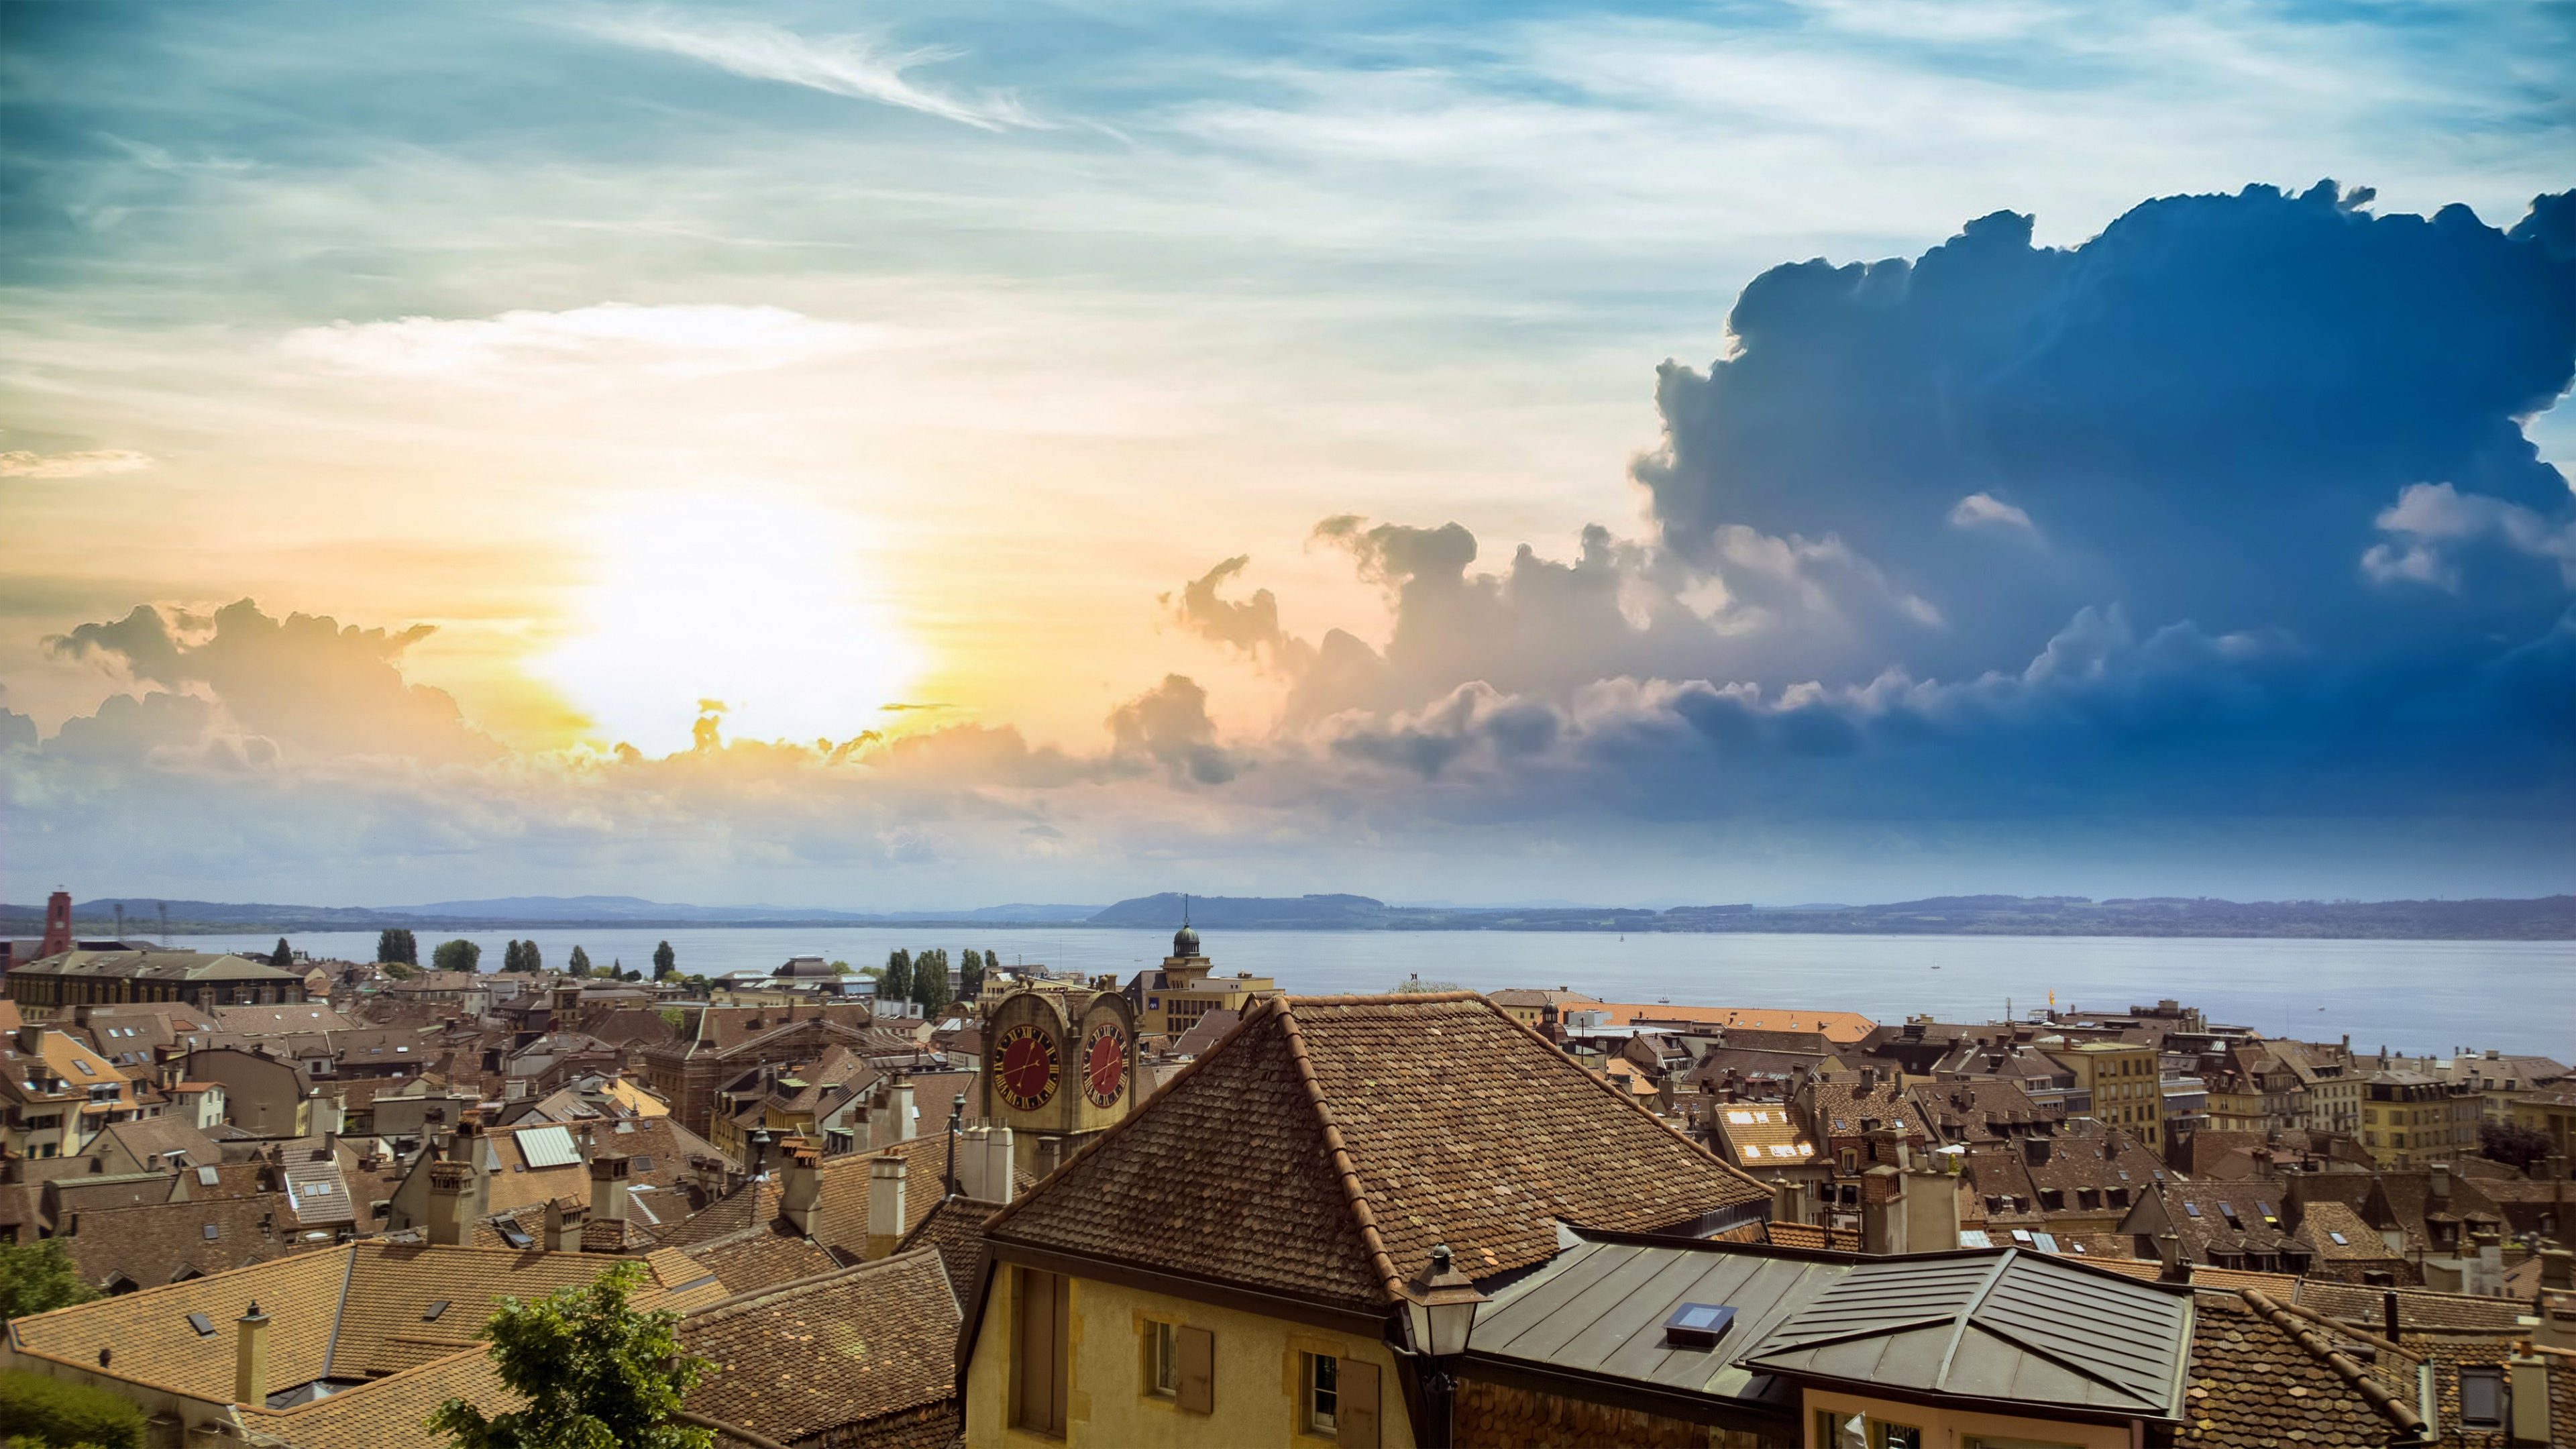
column 1439, row 1314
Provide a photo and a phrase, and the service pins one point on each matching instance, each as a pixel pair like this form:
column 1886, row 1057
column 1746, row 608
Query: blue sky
column 890, row 374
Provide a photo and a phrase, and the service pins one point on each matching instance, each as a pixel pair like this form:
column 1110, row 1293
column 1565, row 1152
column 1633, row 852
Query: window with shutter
column 1198, row 1370
column 1038, row 1368
column 1355, row 1426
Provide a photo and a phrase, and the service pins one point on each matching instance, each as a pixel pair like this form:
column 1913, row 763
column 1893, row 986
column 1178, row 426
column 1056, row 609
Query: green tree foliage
column 597, row 1374
column 970, row 973
column 396, row 944
column 281, row 957
column 666, row 961
column 578, row 963
column 840, row 968
column 930, row 982
column 896, row 983
column 529, row 960
column 38, row 1276
column 2512, row 1142
column 456, row 955
column 401, row 970
column 40, row 1410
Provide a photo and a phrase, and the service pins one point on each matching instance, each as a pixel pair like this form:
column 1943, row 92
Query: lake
column 2411, row 996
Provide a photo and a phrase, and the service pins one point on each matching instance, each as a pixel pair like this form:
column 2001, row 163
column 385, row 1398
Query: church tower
column 1060, row 1067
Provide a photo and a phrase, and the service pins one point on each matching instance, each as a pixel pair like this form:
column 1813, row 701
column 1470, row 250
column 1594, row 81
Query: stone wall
column 1493, row 1416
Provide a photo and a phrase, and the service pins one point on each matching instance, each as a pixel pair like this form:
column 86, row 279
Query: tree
column 38, row 1276
column 396, row 944
column 2512, row 1142
column 40, row 1409
column 665, row 961
column 457, row 955
column 579, row 962
column 840, row 968
column 529, row 960
column 597, row 1374
column 930, row 983
column 401, row 970
column 896, row 983
column 970, row 974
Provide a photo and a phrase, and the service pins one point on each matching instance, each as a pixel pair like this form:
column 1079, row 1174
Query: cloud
column 23, row 464
column 843, row 65
column 303, row 681
column 678, row 340
column 1984, row 510
column 2433, row 523
column 1169, row 724
column 2208, row 404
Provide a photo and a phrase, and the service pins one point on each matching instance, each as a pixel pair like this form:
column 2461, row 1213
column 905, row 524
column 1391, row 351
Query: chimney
column 608, row 1187
column 31, row 1040
column 984, row 1164
column 450, row 1200
column 885, row 1204
column 2527, row 1390
column 1931, row 1203
column 1784, row 1200
column 563, row 1226
column 800, row 1198
column 905, row 1127
column 250, row 1365
column 58, row 924
column 2169, row 1255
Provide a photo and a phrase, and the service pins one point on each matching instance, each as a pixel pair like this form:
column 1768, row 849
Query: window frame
column 1313, row 1419
column 2494, row 1375
column 1162, row 1359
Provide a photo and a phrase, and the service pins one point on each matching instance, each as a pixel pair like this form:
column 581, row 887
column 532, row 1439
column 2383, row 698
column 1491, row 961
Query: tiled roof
column 153, row 1245
column 2323, row 1223
column 812, row 1356
column 758, row 1258
column 1760, row 1137
column 956, row 1228
column 1808, row 1236
column 1325, row 1147
column 2261, row 1378
column 280, row 1020
column 152, row 1342
column 1840, row 1027
column 391, row 1410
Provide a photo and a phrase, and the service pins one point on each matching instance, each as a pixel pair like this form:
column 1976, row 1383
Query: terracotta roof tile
column 760, row 1257
column 956, row 1228
column 813, row 1356
column 2253, row 1384
column 1329, row 1143
column 393, row 1410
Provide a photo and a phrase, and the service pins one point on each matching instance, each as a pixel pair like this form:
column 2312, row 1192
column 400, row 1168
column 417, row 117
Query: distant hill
column 2549, row 918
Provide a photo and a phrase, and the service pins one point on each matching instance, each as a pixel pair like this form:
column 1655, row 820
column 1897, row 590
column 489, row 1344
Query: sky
column 915, row 456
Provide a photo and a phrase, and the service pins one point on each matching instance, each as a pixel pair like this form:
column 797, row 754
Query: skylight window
column 1698, row 1325
column 205, row 1326
column 2339, row 1240
column 213, row 1232
column 86, row 1069
column 2192, row 1208
column 435, row 1309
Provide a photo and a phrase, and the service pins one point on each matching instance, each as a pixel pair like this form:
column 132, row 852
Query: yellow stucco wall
column 1257, row 1365
column 1946, row 1429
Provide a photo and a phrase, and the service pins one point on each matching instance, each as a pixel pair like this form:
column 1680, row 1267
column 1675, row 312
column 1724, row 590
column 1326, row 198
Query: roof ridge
column 1383, row 998
column 2372, row 1391
column 754, row 1297
column 1261, row 1011
column 1625, row 1100
column 1353, row 1191
column 1967, row 1312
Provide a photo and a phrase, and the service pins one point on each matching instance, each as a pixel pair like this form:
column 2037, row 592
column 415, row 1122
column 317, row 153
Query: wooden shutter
column 1038, row 1369
column 1355, row 1409
column 1198, row 1369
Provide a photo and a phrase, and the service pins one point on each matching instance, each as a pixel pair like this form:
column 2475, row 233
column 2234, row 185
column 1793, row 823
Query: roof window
column 213, row 1231
column 2227, row 1210
column 2339, row 1240
column 1698, row 1325
column 2192, row 1208
column 205, row 1326
column 430, row 1315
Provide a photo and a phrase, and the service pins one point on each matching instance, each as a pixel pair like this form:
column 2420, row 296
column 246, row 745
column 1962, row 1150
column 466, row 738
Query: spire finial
column 1185, row 908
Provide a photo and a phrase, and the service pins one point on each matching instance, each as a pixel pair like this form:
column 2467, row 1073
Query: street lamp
column 1439, row 1312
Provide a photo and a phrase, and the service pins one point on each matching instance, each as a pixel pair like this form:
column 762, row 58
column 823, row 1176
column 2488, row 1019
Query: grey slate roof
column 2008, row 1327
column 1599, row 1309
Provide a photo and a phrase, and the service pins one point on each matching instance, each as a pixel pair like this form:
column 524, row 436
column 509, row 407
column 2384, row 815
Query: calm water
column 2411, row 996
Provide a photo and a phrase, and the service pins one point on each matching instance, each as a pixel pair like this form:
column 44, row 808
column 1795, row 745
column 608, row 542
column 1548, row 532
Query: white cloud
column 22, row 464
column 670, row 341
column 1984, row 510
column 2428, row 516
column 844, row 65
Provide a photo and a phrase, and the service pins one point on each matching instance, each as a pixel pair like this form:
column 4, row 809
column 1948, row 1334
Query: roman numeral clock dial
column 1027, row 1065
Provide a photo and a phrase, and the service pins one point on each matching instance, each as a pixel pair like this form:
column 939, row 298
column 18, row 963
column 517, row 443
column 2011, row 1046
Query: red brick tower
column 58, row 925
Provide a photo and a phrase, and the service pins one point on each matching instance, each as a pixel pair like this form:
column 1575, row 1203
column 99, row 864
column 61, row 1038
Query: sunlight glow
column 755, row 600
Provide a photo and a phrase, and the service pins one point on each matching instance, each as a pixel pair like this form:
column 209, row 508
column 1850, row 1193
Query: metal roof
column 1599, row 1309
column 548, row 1147
column 2008, row 1327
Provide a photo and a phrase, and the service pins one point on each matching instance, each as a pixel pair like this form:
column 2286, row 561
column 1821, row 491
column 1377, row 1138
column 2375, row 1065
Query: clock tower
column 1059, row 1068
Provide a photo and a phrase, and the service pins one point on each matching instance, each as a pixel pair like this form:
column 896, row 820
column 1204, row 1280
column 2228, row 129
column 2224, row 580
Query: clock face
column 1104, row 1064
column 1026, row 1065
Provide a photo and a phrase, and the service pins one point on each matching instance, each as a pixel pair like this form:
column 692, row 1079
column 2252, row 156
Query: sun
column 760, row 601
